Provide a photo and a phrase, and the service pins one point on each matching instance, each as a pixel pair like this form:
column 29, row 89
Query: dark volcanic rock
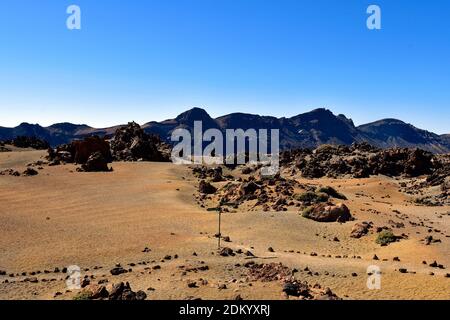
column 30, row 142
column 359, row 161
column 131, row 143
column 30, row 172
column 296, row 289
column 118, row 270
column 226, row 252
column 95, row 163
column 249, row 188
column 79, row 151
column 83, row 149
column 122, row 291
column 206, row 188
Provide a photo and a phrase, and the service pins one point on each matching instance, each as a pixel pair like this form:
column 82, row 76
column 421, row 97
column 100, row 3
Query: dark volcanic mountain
column 446, row 138
column 392, row 132
column 309, row 129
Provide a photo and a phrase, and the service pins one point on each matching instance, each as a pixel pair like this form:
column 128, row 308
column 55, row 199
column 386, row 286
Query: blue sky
column 151, row 60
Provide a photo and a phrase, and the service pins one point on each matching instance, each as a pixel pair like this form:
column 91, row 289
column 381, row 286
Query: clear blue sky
column 150, row 60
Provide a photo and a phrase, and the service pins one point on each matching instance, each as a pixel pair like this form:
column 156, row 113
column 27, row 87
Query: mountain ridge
column 305, row 130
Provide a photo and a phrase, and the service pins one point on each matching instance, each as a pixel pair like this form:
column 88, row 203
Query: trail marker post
column 219, row 234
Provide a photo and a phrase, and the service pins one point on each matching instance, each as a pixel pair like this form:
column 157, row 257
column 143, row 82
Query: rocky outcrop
column 29, row 142
column 82, row 150
column 131, row 143
column 95, row 163
column 122, row 291
column 119, row 291
column 358, row 161
column 79, row 151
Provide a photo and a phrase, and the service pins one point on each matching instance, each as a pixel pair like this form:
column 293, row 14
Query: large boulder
column 83, row 149
column 95, row 163
column 328, row 213
column 360, row 229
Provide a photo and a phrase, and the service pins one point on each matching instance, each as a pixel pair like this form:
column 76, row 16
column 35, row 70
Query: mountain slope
column 396, row 133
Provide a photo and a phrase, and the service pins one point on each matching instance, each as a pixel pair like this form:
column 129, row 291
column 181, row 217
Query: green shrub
column 322, row 197
column 385, row 237
column 306, row 196
column 311, row 197
column 83, row 295
column 307, row 211
column 331, row 192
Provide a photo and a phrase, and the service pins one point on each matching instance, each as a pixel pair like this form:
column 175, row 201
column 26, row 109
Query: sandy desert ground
column 96, row 220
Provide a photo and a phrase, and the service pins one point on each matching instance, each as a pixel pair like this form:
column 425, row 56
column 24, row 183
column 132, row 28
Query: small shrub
column 331, row 192
column 307, row 211
column 385, row 237
column 321, row 197
column 83, row 295
column 312, row 197
column 306, row 196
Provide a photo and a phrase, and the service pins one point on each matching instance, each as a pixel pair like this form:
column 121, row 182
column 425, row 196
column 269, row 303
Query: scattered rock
column 30, row 172
column 117, row 271
column 226, row 252
column 360, row 229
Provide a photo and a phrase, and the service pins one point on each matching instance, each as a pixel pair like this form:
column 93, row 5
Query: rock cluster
column 29, row 142
column 3, row 148
column 212, row 174
column 93, row 153
column 305, row 291
column 131, row 143
column 272, row 193
column 268, row 272
column 358, row 161
column 119, row 291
